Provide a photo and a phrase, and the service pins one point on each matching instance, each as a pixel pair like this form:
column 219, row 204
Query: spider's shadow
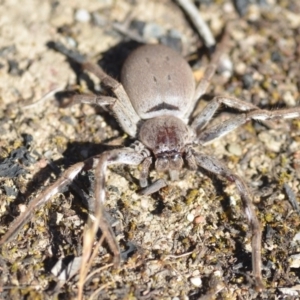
column 111, row 62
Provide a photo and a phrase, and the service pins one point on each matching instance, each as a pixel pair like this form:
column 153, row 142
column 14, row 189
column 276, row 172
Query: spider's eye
column 162, row 164
column 176, row 162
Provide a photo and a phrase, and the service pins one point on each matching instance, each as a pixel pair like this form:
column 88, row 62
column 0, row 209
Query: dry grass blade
column 202, row 28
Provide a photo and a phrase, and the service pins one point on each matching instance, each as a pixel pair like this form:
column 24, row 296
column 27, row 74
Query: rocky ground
column 191, row 239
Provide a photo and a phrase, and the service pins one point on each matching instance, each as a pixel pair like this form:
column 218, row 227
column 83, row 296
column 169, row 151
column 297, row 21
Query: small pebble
column 59, row 217
column 190, row 217
column 235, row 149
column 99, row 19
column 196, row 281
column 254, row 13
column 289, row 291
column 145, row 203
column 296, row 237
column 241, row 6
column 294, row 261
column 71, row 42
column 10, row 191
column 289, row 99
column 82, row 15
column 240, row 68
column 269, row 140
column 13, row 68
column 247, row 81
column 199, row 219
column 138, row 26
column 22, row 208
column 232, row 201
column 225, row 66
column 172, row 39
column 218, row 273
column 276, row 56
column 152, row 30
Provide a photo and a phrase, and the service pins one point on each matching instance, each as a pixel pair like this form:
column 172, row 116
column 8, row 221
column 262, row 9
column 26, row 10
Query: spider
column 153, row 103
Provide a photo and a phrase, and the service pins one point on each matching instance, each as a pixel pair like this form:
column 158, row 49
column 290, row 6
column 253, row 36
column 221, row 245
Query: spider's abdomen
column 158, row 82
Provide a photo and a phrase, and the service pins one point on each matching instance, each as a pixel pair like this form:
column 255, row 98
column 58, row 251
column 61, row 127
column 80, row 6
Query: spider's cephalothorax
column 167, row 138
column 153, row 104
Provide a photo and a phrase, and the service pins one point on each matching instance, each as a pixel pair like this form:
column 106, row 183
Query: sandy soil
column 190, row 240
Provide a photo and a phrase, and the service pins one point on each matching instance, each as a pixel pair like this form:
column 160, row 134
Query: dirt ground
column 190, row 240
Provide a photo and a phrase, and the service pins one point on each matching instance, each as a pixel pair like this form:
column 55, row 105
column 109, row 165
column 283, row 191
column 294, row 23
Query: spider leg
column 213, row 165
column 154, row 187
column 145, row 171
column 202, row 119
column 121, row 105
column 229, row 125
column 210, row 71
column 100, row 162
column 118, row 156
column 123, row 115
column 65, row 179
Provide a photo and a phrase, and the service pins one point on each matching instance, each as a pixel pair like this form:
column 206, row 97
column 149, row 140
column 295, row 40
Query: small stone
column 10, row 191
column 172, row 39
column 232, row 201
column 199, row 219
column 152, row 30
column 138, row 26
column 196, row 281
column 289, row 291
column 296, row 237
column 218, row 273
column 22, row 208
column 240, row 68
column 276, row 56
column 269, row 140
column 82, row 15
column 241, row 6
column 294, row 261
column 289, row 99
column 225, row 66
column 190, row 217
column 43, row 243
column 145, row 203
column 71, row 42
column 247, row 81
column 235, row 149
column 99, row 19
column 254, row 13
column 59, row 217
